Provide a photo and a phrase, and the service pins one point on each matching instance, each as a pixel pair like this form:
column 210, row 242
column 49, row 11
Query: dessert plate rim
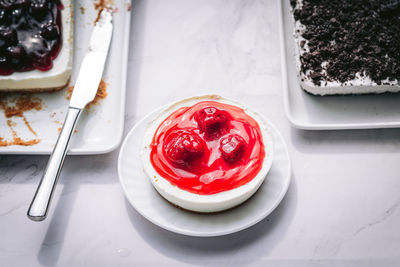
column 143, row 197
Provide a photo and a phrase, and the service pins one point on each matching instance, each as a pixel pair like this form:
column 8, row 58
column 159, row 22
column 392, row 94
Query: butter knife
column 84, row 92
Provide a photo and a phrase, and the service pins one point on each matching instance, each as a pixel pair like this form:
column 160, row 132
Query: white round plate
column 145, row 199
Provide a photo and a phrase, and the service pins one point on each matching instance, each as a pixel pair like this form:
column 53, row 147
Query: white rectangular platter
column 310, row 112
column 100, row 128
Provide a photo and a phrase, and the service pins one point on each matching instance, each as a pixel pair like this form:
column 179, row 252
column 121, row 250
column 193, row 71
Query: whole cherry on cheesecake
column 184, row 148
column 232, row 148
column 212, row 121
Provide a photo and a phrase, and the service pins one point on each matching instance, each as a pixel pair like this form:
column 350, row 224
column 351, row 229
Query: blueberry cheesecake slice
column 36, row 43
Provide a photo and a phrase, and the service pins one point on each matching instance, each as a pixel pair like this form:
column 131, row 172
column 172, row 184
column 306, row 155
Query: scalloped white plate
column 309, row 112
column 145, row 199
column 100, row 129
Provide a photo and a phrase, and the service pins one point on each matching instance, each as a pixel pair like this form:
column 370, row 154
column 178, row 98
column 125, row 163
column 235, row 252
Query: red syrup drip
column 208, row 148
column 30, row 34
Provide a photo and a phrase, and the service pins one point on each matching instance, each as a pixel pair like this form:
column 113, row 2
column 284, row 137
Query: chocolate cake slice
column 347, row 46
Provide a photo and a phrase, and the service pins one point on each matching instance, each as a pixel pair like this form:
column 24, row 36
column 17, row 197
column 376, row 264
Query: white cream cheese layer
column 59, row 75
column 361, row 84
column 205, row 203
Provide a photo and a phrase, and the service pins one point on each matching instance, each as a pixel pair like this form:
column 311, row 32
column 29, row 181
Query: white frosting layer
column 359, row 85
column 356, row 86
column 205, row 203
column 59, row 74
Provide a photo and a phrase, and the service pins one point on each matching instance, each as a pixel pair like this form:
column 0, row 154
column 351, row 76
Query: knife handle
column 41, row 201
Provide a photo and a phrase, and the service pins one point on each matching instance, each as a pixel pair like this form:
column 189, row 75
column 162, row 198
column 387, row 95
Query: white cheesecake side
column 205, row 203
column 361, row 84
column 59, row 75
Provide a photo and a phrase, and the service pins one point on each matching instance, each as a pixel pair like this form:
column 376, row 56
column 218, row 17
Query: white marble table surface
column 342, row 208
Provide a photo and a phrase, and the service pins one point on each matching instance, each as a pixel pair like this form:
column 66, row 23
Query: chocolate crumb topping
column 346, row 37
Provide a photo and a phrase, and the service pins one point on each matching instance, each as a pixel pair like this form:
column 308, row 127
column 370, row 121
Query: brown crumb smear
column 23, row 102
column 18, row 142
column 29, row 126
column 101, row 93
column 100, row 5
column 14, row 105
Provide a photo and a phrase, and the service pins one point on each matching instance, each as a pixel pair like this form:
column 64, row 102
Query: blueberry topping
column 50, row 31
column 23, row 3
column 7, row 4
column 8, row 36
column 16, row 54
column 39, row 8
column 30, row 34
column 3, row 15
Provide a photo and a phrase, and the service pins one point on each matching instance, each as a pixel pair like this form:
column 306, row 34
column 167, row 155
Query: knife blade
column 93, row 63
column 85, row 90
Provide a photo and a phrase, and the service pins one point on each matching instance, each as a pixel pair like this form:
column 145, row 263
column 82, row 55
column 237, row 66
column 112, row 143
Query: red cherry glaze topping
column 30, row 34
column 208, row 148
